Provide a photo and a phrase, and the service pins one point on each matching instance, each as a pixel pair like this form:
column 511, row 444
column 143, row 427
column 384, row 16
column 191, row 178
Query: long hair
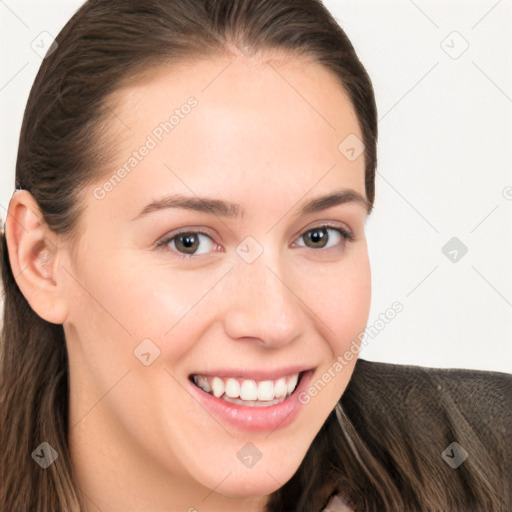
column 62, row 149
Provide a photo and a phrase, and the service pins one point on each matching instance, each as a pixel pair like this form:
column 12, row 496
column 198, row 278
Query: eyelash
column 347, row 235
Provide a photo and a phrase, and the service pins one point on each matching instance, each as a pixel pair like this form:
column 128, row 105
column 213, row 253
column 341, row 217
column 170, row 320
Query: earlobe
column 34, row 255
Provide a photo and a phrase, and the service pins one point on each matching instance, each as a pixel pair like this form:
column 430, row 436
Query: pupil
column 318, row 235
column 188, row 241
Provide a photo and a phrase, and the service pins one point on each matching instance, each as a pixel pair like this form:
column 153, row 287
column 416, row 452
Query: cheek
column 123, row 295
column 347, row 302
column 112, row 310
column 162, row 311
column 347, row 308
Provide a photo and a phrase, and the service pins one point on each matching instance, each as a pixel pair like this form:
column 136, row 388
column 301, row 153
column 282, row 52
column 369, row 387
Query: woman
column 186, row 274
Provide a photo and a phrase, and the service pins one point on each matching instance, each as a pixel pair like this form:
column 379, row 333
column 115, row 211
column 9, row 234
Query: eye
column 186, row 243
column 319, row 238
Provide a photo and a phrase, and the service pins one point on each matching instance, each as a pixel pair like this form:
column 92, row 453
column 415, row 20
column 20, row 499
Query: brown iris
column 189, row 241
column 317, row 235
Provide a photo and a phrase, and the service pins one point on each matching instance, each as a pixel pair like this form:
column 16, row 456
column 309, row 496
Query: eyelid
column 180, row 231
column 332, row 225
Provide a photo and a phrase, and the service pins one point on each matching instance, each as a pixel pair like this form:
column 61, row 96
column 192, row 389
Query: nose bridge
column 264, row 305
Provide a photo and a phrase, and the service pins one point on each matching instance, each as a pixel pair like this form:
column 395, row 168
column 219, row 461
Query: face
column 259, row 290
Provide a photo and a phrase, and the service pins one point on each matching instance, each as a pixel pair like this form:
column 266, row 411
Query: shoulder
column 449, row 427
column 482, row 397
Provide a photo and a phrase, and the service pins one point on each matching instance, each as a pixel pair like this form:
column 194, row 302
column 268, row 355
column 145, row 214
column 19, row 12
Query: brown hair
column 61, row 150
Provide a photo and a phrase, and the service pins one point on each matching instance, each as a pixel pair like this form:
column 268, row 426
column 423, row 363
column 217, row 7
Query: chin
column 250, row 487
column 248, row 482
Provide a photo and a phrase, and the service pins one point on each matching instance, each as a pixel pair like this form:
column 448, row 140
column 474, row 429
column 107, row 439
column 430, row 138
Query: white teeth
column 248, row 390
column 292, row 383
column 266, row 390
column 280, row 387
column 217, row 387
column 232, row 388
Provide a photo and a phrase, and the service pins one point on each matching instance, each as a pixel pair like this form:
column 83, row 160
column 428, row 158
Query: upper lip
column 255, row 374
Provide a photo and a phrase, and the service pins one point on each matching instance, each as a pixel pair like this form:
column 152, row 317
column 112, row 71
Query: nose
column 265, row 304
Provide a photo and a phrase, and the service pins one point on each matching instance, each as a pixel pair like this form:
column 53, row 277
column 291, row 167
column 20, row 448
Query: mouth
column 256, row 405
column 249, row 392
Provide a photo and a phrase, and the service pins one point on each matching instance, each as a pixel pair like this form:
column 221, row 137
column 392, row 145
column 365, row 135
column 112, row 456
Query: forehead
column 274, row 119
column 280, row 83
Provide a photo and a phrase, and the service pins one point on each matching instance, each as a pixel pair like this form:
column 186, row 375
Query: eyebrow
column 231, row 210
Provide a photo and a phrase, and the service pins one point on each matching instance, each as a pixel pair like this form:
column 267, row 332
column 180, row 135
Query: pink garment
column 337, row 504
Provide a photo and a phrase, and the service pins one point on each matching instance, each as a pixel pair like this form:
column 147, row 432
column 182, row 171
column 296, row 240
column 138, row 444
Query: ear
column 34, row 256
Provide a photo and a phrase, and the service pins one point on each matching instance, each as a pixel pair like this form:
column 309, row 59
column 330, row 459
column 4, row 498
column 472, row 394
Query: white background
column 444, row 166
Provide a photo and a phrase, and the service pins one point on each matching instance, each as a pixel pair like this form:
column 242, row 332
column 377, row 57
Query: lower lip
column 254, row 419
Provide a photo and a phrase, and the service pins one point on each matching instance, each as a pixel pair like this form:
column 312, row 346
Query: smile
column 256, row 412
column 248, row 391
